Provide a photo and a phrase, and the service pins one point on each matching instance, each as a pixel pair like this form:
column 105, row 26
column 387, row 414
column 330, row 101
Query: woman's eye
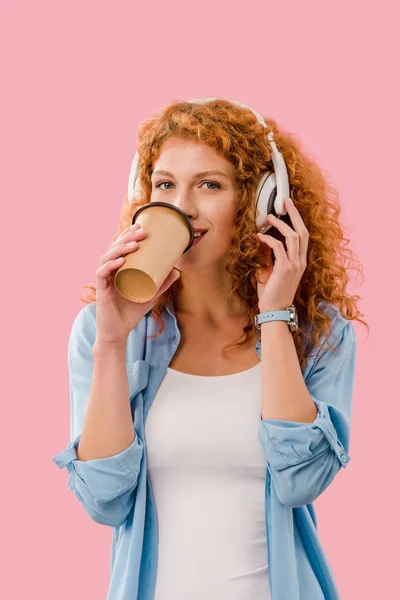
column 213, row 183
column 158, row 185
column 162, row 183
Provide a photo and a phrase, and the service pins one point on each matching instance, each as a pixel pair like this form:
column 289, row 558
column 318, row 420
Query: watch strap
column 273, row 315
column 289, row 315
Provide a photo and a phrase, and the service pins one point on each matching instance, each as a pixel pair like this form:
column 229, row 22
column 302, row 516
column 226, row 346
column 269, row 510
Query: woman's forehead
column 181, row 149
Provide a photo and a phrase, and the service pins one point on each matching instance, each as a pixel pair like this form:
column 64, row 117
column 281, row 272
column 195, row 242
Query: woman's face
column 209, row 199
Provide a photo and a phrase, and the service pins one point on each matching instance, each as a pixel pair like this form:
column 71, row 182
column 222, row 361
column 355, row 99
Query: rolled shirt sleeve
column 104, row 486
column 304, row 457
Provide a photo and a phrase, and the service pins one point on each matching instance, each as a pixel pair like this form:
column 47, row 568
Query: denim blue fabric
column 302, row 460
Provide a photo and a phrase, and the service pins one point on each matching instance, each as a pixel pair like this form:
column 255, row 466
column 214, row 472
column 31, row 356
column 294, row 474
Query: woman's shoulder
column 338, row 321
column 335, row 331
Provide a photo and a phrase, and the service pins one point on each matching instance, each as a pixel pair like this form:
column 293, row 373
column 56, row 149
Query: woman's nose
column 185, row 202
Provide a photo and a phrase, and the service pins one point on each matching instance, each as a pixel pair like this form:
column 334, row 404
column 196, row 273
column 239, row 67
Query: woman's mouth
column 198, row 238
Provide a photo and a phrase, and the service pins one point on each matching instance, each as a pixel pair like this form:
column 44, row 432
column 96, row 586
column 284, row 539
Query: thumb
column 172, row 277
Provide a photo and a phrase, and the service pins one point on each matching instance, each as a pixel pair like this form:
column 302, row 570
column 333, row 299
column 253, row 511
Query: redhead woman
column 206, row 422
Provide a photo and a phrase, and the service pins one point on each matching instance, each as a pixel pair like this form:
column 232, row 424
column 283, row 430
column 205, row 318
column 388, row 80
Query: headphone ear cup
column 265, row 198
column 133, row 182
column 271, row 202
column 137, row 190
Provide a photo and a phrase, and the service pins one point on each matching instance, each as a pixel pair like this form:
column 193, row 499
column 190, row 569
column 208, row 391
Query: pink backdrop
column 73, row 93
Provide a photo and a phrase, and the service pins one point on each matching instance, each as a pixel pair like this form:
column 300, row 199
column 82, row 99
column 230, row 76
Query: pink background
column 74, row 90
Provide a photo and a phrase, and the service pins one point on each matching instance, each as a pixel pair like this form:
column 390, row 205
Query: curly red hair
column 235, row 134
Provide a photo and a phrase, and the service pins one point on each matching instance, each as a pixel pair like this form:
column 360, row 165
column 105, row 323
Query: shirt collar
column 170, row 308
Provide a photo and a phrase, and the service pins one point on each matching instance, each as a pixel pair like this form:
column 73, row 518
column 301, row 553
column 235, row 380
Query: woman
column 203, row 455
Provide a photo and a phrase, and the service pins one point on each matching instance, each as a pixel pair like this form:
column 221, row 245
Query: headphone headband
column 259, row 118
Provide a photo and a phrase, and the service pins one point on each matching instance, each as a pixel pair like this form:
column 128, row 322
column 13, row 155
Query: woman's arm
column 305, row 457
column 108, row 425
column 104, row 456
column 285, row 394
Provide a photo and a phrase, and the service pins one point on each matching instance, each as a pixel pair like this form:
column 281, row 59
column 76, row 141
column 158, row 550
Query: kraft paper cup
column 170, row 234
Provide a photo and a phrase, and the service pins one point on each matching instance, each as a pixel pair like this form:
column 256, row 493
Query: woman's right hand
column 115, row 315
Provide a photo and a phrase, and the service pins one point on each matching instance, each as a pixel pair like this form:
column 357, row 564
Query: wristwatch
column 289, row 315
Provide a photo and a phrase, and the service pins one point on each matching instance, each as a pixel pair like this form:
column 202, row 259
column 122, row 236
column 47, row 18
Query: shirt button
column 345, row 458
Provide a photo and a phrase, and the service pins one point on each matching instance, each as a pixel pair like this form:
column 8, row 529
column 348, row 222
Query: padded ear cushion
column 265, row 197
column 271, row 202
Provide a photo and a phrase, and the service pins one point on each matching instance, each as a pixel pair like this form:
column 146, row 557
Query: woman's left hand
column 277, row 285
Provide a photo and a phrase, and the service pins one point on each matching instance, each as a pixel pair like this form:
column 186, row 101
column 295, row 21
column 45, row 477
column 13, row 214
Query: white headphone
column 272, row 188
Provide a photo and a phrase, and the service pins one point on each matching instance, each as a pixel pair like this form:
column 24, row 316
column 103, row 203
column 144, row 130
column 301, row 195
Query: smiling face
column 193, row 177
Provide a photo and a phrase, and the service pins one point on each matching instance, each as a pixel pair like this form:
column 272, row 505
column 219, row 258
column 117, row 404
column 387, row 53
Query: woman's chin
column 196, row 263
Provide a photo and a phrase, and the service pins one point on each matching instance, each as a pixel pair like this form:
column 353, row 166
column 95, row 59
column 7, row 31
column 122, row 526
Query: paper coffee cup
column 170, row 234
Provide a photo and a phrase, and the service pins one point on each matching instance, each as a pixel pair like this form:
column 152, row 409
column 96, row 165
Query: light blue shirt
column 302, row 460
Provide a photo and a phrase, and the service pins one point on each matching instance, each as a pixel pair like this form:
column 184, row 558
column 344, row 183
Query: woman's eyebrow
column 202, row 174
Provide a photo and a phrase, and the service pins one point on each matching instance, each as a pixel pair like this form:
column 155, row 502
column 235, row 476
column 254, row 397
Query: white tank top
column 207, row 471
